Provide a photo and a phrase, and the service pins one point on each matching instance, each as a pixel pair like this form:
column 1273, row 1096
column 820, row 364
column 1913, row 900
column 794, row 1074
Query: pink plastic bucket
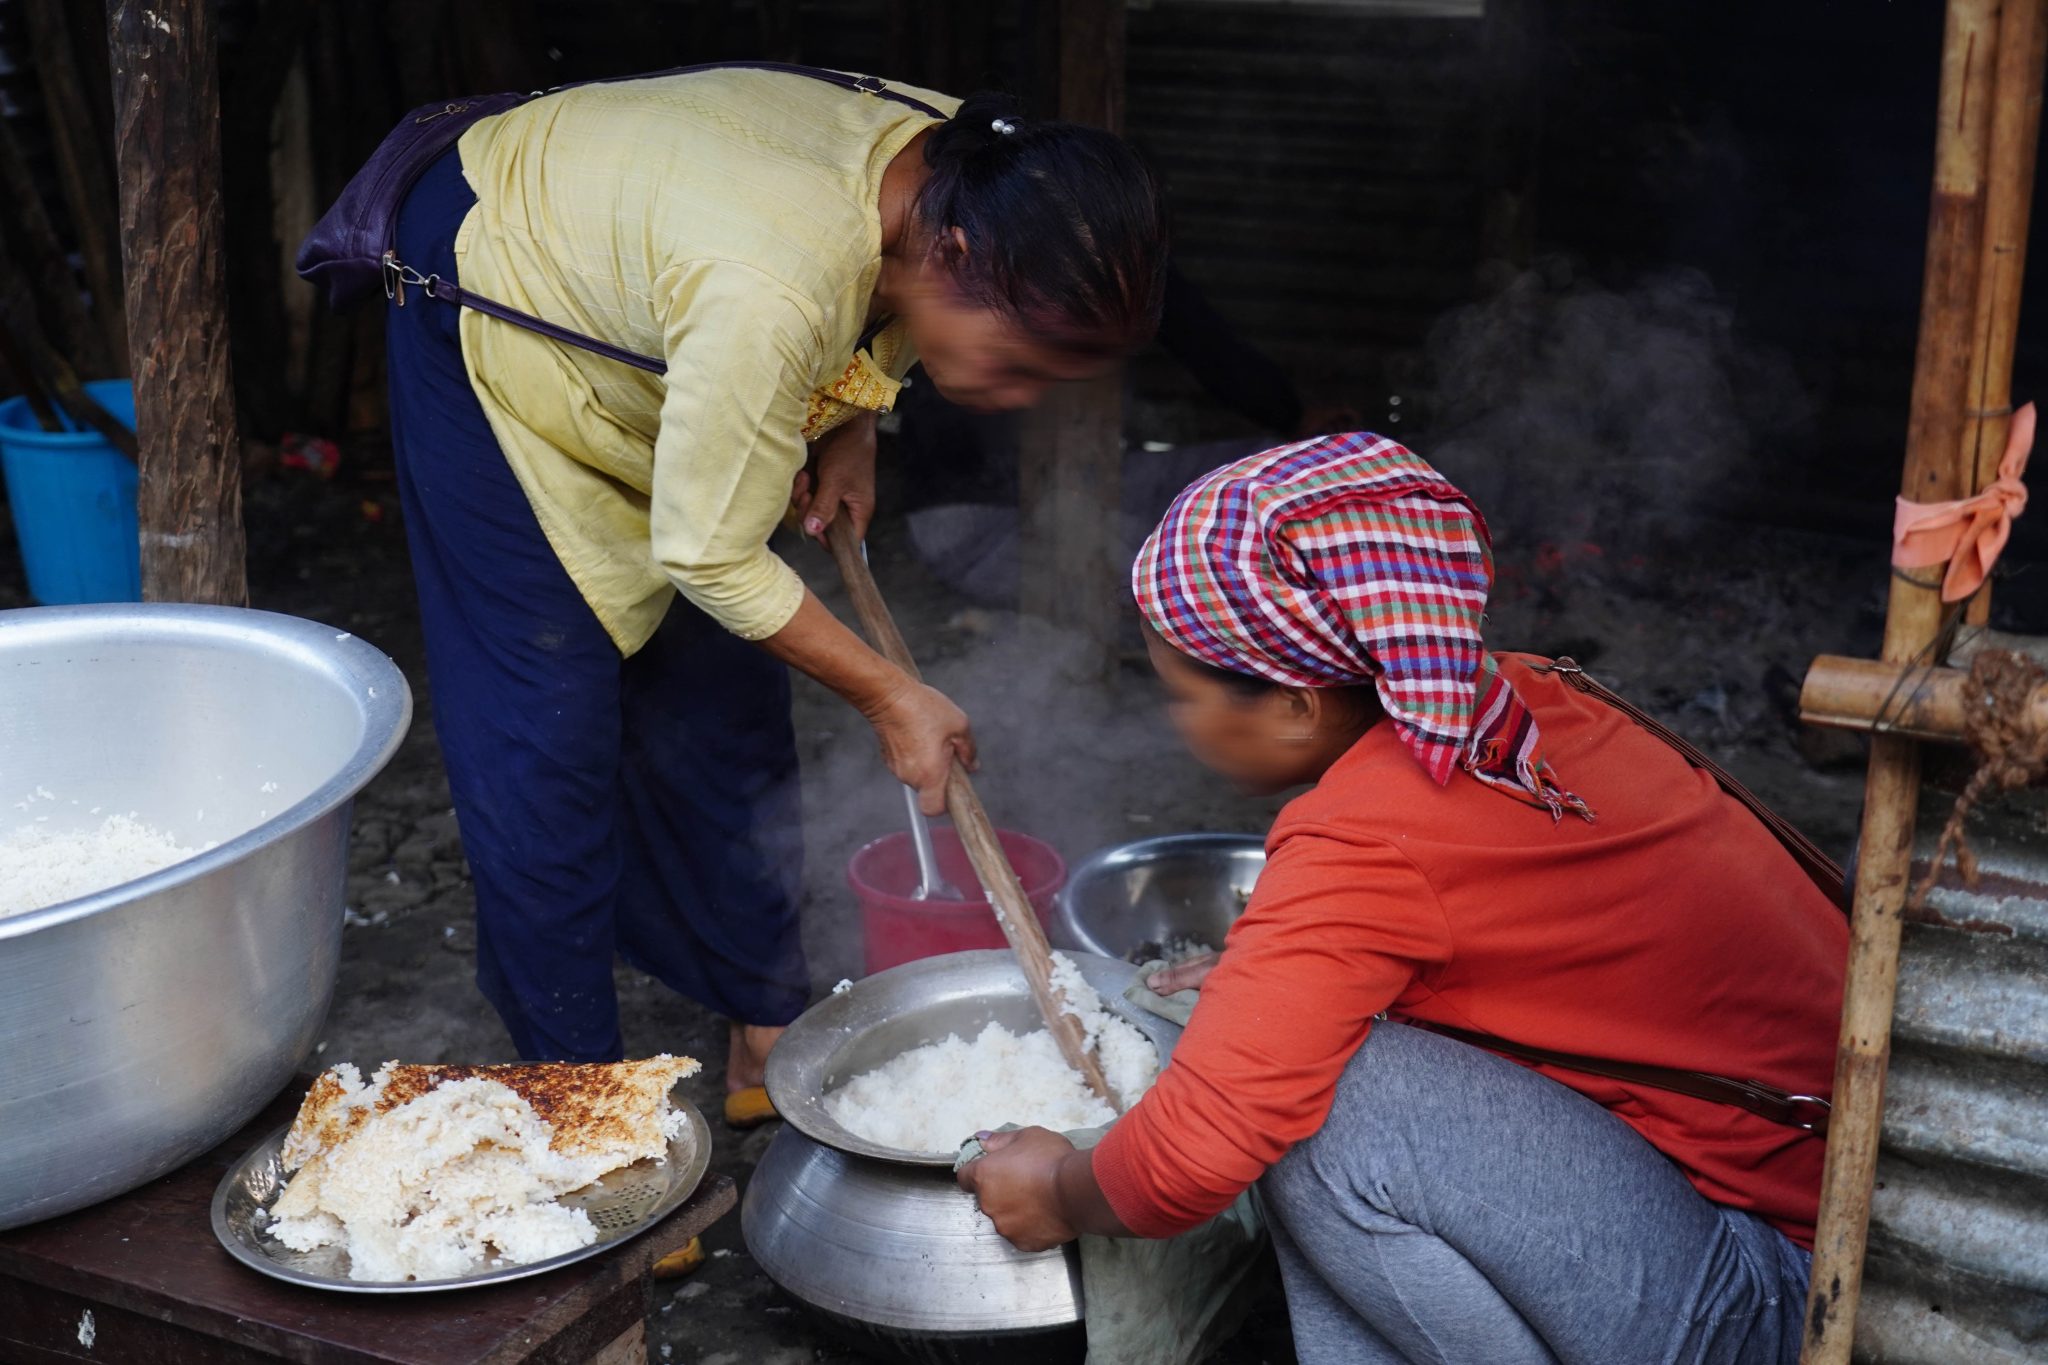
column 898, row 929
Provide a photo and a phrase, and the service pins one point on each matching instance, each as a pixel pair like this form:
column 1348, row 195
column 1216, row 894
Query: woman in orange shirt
column 1483, row 848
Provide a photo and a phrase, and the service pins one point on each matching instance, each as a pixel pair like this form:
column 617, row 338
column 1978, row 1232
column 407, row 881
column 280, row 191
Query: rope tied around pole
column 2002, row 725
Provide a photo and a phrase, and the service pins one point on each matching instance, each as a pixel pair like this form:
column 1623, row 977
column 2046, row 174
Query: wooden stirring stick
column 1020, row 924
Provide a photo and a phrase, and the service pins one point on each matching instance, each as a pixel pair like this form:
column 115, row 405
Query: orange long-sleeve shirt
column 1674, row 931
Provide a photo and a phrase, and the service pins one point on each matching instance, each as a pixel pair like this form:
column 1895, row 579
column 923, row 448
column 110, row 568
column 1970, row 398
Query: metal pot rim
column 376, row 683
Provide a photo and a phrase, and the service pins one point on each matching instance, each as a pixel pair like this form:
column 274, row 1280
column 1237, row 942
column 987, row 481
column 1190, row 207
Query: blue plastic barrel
column 73, row 498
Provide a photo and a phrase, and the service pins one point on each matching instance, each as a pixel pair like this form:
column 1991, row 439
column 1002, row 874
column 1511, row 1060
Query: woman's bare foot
column 746, row 1056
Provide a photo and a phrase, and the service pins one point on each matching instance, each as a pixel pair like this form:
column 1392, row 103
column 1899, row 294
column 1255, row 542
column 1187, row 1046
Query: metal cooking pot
column 142, row 1024
column 1132, row 900
column 878, row 1239
column 898, row 1261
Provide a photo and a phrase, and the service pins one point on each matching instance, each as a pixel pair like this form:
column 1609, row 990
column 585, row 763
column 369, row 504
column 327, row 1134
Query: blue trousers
column 645, row 806
column 1456, row 1208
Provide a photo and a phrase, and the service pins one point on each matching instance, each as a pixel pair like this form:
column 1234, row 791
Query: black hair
column 1244, row 687
column 1065, row 225
column 1247, row 688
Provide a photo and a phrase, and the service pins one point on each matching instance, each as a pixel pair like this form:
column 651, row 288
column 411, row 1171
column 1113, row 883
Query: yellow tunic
column 727, row 221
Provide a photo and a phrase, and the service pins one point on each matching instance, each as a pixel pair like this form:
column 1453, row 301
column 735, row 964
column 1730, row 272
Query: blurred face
column 1264, row 742
column 982, row 360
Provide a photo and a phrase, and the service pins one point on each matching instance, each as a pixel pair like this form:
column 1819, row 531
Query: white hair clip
column 1004, row 126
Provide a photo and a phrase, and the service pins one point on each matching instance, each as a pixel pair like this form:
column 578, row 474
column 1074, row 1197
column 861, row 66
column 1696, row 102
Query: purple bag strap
column 434, row 287
column 398, row 275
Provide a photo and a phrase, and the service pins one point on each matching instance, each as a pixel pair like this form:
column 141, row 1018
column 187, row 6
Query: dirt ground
column 1710, row 630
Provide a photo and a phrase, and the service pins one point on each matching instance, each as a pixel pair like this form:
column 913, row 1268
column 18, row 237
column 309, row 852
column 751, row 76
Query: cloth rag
column 1969, row 533
column 1165, row 1302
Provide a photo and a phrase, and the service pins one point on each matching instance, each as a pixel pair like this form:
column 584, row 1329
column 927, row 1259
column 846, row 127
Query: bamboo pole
column 1005, row 893
column 2015, row 138
column 167, row 135
column 1936, row 469
column 1895, row 699
column 85, row 410
column 82, row 168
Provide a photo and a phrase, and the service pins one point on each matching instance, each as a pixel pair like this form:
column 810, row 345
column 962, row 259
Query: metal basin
column 882, row 1242
column 1133, row 900
column 143, row 1023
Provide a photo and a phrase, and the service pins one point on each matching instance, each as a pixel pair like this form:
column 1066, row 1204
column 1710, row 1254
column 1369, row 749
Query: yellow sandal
column 749, row 1108
column 681, row 1262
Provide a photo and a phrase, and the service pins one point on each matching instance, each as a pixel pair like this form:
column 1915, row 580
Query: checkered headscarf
column 1341, row 561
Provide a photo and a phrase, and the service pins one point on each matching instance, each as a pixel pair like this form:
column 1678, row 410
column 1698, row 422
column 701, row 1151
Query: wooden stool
column 141, row 1280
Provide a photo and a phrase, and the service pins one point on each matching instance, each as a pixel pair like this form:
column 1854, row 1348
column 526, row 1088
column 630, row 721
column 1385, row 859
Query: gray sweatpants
column 1458, row 1209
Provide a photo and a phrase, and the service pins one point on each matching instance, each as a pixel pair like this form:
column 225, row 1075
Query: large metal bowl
column 889, row 1013
column 1135, row 899
column 144, row 1023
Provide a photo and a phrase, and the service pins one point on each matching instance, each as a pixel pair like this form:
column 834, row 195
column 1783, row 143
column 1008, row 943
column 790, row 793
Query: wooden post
column 167, row 151
column 1071, row 477
column 82, row 167
column 2015, row 137
column 1938, row 466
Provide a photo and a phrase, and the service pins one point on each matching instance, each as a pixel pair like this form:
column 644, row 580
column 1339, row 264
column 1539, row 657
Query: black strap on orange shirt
column 1825, row 871
column 1808, row 1112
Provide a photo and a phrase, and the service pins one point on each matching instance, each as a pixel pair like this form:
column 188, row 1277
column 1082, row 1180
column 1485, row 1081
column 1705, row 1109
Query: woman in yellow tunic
column 622, row 762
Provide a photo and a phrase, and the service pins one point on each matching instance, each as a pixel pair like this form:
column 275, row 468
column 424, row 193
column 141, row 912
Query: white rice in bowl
column 42, row 866
column 932, row 1098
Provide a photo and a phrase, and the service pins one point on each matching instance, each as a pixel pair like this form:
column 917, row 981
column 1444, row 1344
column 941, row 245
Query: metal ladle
column 931, row 884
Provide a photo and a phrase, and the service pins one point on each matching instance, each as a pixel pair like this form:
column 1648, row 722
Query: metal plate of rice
column 882, row 1016
column 621, row 1206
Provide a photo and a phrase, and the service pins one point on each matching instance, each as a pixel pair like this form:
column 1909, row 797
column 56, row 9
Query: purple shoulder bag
column 353, row 248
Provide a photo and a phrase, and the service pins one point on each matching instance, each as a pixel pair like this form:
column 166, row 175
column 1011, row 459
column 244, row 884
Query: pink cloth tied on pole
column 1967, row 534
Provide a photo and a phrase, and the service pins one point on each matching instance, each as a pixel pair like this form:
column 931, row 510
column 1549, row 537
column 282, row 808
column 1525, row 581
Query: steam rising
column 1569, row 411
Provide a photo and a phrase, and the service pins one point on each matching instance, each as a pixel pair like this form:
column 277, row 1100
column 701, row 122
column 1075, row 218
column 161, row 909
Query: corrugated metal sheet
column 1958, row 1264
